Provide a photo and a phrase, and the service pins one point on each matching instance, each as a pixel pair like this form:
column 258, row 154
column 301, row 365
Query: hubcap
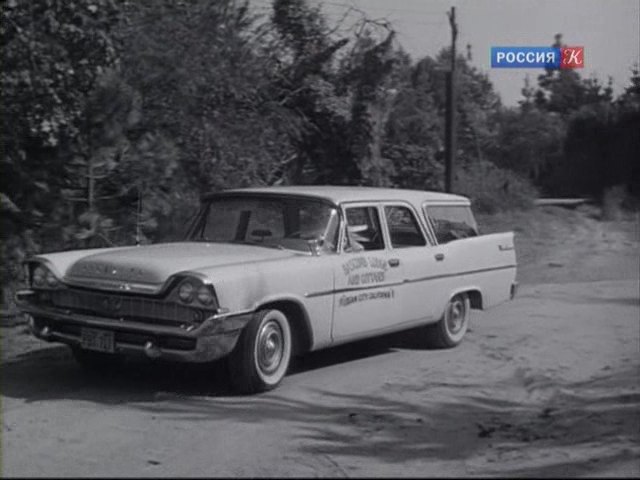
column 455, row 319
column 270, row 347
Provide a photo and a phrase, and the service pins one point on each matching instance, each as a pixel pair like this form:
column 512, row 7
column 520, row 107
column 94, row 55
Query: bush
column 615, row 199
column 492, row 189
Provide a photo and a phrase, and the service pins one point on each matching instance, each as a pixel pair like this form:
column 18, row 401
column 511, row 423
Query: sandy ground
column 545, row 385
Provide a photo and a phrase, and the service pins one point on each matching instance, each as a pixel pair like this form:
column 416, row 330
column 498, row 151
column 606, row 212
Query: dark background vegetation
column 120, row 113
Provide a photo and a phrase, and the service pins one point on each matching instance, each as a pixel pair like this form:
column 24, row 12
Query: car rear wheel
column 262, row 355
column 453, row 325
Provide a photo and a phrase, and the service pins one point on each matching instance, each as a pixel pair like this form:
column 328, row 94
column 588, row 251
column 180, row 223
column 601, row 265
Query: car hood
column 147, row 268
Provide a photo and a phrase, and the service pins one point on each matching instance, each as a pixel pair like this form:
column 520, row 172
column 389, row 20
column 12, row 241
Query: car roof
column 342, row 194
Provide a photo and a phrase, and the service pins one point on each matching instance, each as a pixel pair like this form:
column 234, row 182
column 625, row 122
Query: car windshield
column 290, row 223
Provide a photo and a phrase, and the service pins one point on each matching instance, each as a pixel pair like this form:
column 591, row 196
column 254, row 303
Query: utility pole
column 450, row 119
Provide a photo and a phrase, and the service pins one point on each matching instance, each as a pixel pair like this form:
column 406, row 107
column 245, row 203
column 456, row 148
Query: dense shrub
column 493, row 189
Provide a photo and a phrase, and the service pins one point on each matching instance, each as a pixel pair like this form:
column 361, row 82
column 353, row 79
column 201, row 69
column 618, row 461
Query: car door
column 367, row 276
column 445, row 272
column 486, row 263
column 409, row 245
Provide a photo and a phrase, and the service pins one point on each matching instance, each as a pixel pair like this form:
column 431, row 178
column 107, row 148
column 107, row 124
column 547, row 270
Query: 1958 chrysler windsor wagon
column 268, row 273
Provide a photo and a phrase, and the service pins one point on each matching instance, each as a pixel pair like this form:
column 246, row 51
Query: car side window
column 404, row 229
column 363, row 229
column 452, row 222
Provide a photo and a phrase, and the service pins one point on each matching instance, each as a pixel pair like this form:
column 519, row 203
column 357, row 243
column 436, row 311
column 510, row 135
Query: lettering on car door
column 367, row 280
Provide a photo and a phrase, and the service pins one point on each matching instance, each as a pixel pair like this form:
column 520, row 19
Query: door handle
column 439, row 256
column 394, row 262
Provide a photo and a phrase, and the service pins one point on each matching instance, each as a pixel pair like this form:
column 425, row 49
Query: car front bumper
column 215, row 338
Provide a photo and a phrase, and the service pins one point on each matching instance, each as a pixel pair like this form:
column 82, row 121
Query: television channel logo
column 537, row 57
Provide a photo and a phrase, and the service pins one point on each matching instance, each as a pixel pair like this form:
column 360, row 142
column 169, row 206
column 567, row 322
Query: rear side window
column 452, row 222
column 403, row 228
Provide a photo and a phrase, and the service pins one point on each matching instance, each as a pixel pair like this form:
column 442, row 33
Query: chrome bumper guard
column 214, row 338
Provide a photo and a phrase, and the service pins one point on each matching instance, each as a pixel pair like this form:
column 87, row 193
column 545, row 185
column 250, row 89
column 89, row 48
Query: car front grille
column 126, row 307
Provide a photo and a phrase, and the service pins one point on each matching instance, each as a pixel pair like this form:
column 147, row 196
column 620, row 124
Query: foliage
column 415, row 129
column 570, row 137
column 493, row 189
column 207, row 88
column 341, row 102
column 118, row 115
column 529, row 142
column 564, row 91
column 612, row 202
column 53, row 53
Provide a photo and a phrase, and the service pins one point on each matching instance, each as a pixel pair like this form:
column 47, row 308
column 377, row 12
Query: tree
column 370, row 110
column 529, row 142
column 341, row 99
column 207, row 88
column 564, row 91
column 416, row 128
column 54, row 52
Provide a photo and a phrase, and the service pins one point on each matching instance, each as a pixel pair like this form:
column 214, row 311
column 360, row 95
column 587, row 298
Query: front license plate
column 98, row 340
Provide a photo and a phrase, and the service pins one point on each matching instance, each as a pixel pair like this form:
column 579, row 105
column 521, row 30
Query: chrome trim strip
column 119, row 345
column 113, row 285
column 222, row 314
column 414, row 280
column 210, row 349
column 124, row 286
column 353, row 289
column 470, row 272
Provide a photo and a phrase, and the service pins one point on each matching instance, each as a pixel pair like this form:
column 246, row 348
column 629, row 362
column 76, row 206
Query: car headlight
column 193, row 291
column 186, row 291
column 39, row 276
column 52, row 281
column 42, row 277
column 205, row 296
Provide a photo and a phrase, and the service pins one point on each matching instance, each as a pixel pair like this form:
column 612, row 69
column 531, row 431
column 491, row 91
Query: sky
column 609, row 31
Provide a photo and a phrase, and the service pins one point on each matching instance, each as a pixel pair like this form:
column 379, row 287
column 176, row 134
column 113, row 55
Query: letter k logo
column 572, row 57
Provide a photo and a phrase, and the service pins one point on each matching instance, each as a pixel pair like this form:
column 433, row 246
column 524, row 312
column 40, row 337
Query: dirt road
column 546, row 385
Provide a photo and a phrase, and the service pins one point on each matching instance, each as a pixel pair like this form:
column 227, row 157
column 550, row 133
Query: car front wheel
column 262, row 355
column 453, row 325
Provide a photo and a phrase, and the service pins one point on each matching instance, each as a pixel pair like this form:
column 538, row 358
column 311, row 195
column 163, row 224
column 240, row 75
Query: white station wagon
column 268, row 273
